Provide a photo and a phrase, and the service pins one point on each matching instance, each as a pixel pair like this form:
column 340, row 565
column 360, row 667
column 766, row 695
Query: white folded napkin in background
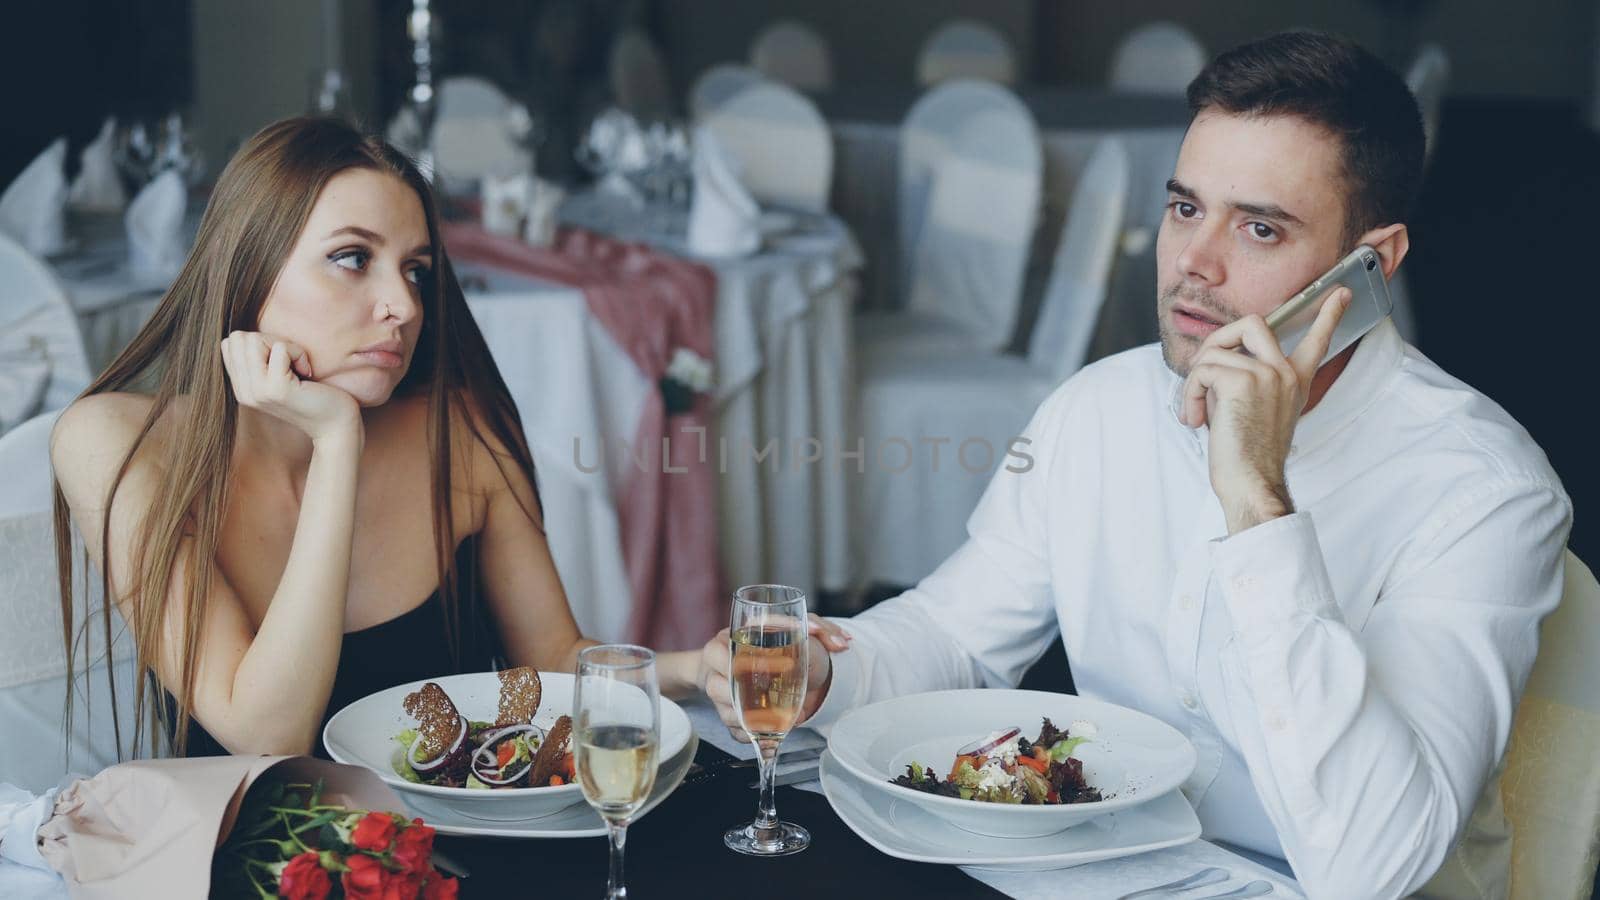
column 97, row 187
column 505, row 202
column 156, row 245
column 33, row 207
column 723, row 217
column 544, row 203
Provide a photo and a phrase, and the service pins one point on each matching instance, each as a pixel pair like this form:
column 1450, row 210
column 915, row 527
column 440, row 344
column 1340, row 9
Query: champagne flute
column 617, row 734
column 769, row 639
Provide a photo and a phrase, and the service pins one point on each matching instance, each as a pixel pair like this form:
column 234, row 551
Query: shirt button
column 1186, row 602
column 1189, row 701
column 1294, row 450
column 1276, row 721
column 1243, row 583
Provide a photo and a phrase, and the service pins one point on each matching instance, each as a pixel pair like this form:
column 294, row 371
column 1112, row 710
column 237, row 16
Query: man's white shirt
column 1348, row 674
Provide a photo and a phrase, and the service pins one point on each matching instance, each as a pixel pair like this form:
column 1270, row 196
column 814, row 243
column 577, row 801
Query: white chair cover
column 1080, row 275
column 717, row 85
column 795, row 54
column 966, row 49
column 1428, row 78
column 932, row 125
column 639, row 81
column 912, row 519
column 39, row 339
column 1535, row 832
column 780, row 142
column 972, row 247
column 1157, row 58
column 472, row 134
column 34, row 745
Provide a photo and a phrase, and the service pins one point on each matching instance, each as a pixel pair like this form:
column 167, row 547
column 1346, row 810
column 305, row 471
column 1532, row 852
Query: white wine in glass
column 616, row 767
column 616, row 708
column 767, row 642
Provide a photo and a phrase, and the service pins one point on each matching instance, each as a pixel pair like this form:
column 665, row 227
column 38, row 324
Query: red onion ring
column 980, row 746
column 424, row 768
column 484, row 767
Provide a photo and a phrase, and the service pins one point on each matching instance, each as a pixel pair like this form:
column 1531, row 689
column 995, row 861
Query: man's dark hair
column 1335, row 83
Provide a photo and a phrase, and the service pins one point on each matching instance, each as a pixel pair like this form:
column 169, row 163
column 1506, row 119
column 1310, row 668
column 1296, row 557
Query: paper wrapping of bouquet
column 651, row 303
column 148, row 828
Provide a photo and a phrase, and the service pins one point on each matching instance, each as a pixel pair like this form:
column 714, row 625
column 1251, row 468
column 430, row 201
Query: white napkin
column 33, row 207
column 505, row 202
column 156, row 247
column 544, row 202
column 97, row 187
column 723, row 217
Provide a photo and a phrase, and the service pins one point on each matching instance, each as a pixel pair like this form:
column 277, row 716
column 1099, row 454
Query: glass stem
column 616, row 888
column 766, row 823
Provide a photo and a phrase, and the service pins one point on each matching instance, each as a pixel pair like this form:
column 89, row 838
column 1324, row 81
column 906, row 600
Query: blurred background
column 1497, row 287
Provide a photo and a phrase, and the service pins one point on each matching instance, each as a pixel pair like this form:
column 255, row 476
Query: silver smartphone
column 1362, row 273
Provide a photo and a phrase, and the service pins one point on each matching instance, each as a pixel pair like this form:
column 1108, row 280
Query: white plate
column 363, row 734
column 575, row 821
column 907, row 831
column 1133, row 757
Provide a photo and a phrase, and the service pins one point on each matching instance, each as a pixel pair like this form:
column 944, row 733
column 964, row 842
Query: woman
column 291, row 476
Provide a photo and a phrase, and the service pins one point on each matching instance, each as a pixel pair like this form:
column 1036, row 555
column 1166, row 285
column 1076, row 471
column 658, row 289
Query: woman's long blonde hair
column 256, row 213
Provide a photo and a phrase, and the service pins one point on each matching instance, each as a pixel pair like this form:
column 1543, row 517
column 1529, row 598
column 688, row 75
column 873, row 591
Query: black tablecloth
column 677, row 851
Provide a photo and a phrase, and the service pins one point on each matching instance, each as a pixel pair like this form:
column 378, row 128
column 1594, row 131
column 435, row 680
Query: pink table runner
column 652, row 304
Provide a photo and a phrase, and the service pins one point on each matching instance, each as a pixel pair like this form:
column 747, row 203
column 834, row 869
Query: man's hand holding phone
column 1252, row 401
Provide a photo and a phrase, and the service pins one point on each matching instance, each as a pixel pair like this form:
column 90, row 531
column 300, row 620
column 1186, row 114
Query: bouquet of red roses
column 288, row 843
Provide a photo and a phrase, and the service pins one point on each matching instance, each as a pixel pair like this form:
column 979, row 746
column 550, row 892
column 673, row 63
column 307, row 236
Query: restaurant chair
column 911, row 519
column 781, row 143
column 1541, row 808
column 717, row 85
column 966, row 49
column 472, row 133
column 794, row 54
column 639, row 82
column 960, row 273
column 34, row 744
column 1428, row 77
column 1157, row 58
column 43, row 363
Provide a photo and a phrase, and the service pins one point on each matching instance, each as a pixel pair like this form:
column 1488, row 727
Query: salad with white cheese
column 1005, row 767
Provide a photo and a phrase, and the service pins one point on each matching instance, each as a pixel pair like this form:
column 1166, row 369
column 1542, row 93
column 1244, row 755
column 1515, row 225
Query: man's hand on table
column 1252, row 396
column 716, row 665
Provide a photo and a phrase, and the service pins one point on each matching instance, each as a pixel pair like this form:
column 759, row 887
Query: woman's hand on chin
column 275, row 377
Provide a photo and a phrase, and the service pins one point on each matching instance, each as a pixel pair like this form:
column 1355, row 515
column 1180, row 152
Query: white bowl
column 363, row 733
column 1132, row 759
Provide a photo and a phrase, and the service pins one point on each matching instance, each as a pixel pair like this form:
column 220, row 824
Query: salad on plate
column 1005, row 767
column 446, row 749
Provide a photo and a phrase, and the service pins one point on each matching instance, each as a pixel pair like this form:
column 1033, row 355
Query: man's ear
column 1391, row 242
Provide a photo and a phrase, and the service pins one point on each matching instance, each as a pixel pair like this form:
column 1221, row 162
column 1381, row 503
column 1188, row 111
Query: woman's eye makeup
column 353, row 259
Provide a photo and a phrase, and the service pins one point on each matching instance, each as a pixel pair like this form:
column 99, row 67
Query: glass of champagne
column 769, row 639
column 616, row 731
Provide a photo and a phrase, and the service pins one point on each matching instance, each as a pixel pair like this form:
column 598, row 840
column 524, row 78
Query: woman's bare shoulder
column 93, row 436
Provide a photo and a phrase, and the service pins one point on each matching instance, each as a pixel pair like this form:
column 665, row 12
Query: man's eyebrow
column 1264, row 210
column 376, row 238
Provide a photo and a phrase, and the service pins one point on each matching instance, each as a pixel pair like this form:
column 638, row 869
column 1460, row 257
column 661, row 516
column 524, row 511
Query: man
column 1330, row 578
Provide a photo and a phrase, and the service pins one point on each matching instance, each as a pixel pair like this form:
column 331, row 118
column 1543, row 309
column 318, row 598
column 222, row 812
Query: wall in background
column 255, row 63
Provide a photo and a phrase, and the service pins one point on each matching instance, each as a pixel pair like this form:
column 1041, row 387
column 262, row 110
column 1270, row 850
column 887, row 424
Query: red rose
column 366, row 879
column 413, row 848
column 439, row 888
column 304, row 878
column 404, row 887
column 374, row 832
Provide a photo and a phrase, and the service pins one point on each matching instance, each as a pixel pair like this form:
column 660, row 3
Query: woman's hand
column 275, row 377
column 716, row 663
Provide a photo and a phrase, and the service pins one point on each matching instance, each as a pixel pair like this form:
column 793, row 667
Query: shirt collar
column 1371, row 366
